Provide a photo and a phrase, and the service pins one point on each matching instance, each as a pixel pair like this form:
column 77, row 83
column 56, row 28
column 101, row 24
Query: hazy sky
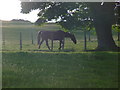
column 10, row 9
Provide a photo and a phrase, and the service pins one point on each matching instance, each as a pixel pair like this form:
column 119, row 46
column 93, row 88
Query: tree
column 40, row 21
column 74, row 15
column 103, row 20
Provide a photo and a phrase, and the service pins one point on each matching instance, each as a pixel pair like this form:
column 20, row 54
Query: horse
column 54, row 35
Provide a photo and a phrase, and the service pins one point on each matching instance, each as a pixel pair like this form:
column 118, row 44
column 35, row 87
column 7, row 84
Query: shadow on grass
column 65, row 50
column 40, row 50
column 69, row 50
column 97, row 50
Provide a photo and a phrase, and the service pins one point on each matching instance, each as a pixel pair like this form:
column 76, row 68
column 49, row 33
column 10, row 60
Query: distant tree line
column 21, row 20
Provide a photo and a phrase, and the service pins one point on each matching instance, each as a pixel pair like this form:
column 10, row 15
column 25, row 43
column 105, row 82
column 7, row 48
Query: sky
column 10, row 9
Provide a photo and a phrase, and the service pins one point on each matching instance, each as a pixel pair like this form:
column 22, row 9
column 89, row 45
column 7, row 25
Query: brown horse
column 54, row 35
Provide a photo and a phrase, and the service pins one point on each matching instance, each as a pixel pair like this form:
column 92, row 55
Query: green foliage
column 116, row 28
column 40, row 21
column 71, row 16
column 29, row 6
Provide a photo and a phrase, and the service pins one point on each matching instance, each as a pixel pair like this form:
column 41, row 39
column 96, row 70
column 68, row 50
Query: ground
column 40, row 68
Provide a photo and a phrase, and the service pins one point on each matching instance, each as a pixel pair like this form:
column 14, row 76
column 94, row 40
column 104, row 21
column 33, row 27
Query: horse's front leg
column 60, row 45
column 47, row 44
column 51, row 45
column 40, row 44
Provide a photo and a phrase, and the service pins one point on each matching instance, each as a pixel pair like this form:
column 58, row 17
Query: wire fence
column 28, row 41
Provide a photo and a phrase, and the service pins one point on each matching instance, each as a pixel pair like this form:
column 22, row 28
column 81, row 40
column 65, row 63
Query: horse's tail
column 38, row 37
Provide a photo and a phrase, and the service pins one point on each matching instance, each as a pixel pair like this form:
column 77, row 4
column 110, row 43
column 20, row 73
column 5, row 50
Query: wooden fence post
column 20, row 41
column 89, row 35
column 32, row 37
column 85, row 41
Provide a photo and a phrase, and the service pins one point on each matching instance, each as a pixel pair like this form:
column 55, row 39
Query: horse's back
column 59, row 35
column 53, row 35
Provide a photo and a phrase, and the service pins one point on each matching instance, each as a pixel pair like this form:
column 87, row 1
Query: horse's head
column 68, row 34
column 73, row 38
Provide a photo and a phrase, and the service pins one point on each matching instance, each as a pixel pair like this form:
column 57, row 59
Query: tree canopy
column 69, row 15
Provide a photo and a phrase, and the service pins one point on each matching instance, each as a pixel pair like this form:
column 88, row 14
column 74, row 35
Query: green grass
column 60, row 70
column 71, row 68
column 12, row 37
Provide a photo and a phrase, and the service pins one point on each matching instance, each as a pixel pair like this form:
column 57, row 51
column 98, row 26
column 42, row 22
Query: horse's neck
column 67, row 35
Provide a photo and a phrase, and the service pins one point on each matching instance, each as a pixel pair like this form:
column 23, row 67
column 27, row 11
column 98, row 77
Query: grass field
column 11, row 36
column 71, row 68
column 60, row 70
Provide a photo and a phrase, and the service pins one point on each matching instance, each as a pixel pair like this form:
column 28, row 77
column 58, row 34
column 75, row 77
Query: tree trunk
column 85, row 41
column 89, row 34
column 104, row 36
column 118, row 36
column 103, row 20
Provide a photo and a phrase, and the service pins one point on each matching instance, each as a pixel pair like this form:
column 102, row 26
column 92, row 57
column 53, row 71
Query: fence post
column 4, row 39
column 20, row 41
column 32, row 37
column 89, row 35
column 85, row 41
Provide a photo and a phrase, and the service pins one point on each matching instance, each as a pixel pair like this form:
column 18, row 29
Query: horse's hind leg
column 40, row 43
column 61, row 45
column 47, row 44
